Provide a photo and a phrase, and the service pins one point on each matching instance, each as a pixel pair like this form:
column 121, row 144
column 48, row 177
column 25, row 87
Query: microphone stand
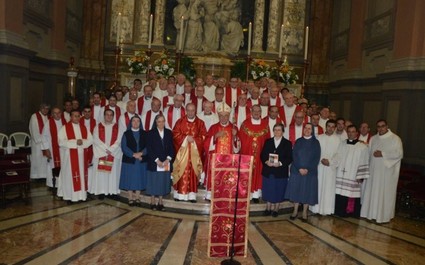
column 231, row 261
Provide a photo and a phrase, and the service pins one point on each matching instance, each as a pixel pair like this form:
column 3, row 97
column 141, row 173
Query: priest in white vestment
column 210, row 88
column 148, row 118
column 125, row 118
column 73, row 179
column 50, row 146
column 38, row 161
column 241, row 112
column 352, row 170
column 386, row 152
column 324, row 117
column 174, row 112
column 208, row 116
column 106, row 167
column 329, row 160
column 340, row 129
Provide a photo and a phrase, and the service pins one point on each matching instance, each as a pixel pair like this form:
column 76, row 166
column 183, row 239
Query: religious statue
column 212, row 25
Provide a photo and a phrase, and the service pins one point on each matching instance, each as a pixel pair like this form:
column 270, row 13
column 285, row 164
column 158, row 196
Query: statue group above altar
column 212, row 25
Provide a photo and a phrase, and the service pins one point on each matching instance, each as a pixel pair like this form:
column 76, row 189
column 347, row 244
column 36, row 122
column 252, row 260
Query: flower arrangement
column 259, row 69
column 164, row 65
column 287, row 73
column 138, row 64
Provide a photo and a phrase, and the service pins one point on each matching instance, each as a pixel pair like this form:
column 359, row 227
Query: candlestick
column 117, row 42
column 150, row 31
column 281, row 41
column 181, row 34
column 306, row 43
column 249, row 37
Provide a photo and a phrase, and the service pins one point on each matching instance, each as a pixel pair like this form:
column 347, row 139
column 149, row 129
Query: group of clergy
column 82, row 148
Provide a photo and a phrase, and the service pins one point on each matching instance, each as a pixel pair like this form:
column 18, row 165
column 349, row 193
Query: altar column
column 159, row 23
column 258, row 26
column 143, row 22
column 274, row 27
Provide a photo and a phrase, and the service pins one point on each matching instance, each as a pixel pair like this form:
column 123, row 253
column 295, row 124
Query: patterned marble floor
column 48, row 231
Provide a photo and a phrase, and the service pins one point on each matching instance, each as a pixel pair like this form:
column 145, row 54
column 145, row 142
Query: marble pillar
column 158, row 36
column 142, row 30
column 273, row 37
column 258, row 26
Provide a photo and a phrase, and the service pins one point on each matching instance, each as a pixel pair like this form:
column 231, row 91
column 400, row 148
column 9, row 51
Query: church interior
column 364, row 59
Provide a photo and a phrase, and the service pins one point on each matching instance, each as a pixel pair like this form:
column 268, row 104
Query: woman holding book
column 161, row 152
column 276, row 157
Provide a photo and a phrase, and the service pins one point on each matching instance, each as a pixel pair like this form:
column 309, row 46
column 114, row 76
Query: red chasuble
column 252, row 140
column 55, row 141
column 75, row 165
column 226, row 173
column 223, row 145
column 188, row 165
column 106, row 162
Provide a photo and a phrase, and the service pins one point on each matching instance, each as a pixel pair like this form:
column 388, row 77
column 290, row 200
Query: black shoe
column 131, row 203
column 256, row 200
column 160, row 207
column 153, row 207
column 193, row 201
column 267, row 213
column 138, row 203
column 101, row 197
column 292, row 217
column 177, row 200
column 275, row 214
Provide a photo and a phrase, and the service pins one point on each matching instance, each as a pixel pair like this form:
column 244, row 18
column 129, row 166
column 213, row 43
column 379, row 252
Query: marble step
column 203, row 207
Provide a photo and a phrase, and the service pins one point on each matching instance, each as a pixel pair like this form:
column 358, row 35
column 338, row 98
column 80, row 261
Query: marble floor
column 49, row 231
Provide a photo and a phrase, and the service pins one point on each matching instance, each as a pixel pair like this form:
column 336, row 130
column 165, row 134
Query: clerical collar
column 256, row 122
column 353, row 142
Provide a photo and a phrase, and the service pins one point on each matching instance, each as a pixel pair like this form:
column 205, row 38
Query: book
column 273, row 158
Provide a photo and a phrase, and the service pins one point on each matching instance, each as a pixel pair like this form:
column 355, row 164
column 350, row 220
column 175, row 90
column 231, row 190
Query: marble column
column 142, row 31
column 258, row 26
column 158, row 36
column 273, row 37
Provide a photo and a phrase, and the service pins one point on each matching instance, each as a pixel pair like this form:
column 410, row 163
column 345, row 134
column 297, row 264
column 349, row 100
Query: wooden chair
column 20, row 139
column 15, row 173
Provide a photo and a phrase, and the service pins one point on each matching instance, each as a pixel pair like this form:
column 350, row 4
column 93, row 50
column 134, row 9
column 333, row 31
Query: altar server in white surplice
column 329, row 160
column 38, row 161
column 50, row 146
column 74, row 140
column 107, row 157
column 386, row 152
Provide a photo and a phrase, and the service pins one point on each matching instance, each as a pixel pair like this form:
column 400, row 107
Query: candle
column 281, row 42
column 150, row 31
column 181, row 34
column 117, row 43
column 306, row 44
column 249, row 38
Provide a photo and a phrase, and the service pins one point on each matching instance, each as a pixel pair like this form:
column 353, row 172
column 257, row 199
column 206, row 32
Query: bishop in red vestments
column 188, row 136
column 221, row 139
column 252, row 134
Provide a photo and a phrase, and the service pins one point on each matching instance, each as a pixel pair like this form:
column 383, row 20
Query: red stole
column 40, row 122
column 250, row 104
column 319, row 129
column 228, row 97
column 127, row 119
column 140, row 104
column 103, row 102
column 55, row 141
column 170, row 115
column 117, row 112
column 278, row 102
column 106, row 162
column 92, row 124
column 165, row 102
column 283, row 116
column 292, row 136
column 147, row 121
column 75, row 166
column 278, row 120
